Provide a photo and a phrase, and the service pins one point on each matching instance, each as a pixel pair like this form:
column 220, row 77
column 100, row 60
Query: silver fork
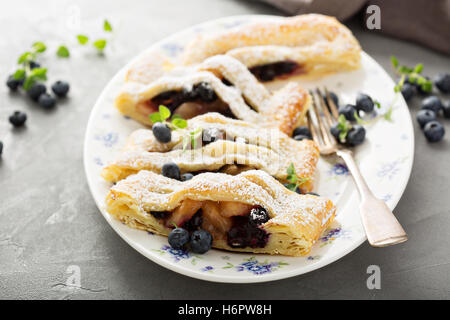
column 381, row 226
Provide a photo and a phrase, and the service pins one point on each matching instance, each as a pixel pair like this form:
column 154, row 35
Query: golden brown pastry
column 238, row 146
column 221, row 204
column 305, row 44
column 219, row 84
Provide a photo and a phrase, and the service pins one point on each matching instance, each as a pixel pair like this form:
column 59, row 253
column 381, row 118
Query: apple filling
column 188, row 103
column 236, row 223
column 283, row 69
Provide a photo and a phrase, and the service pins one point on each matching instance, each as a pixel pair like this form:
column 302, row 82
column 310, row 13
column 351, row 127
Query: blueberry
column 60, row 88
column 434, row 131
column 267, row 74
column 205, row 92
column 195, row 222
column 211, row 135
column 46, row 101
column 364, row 103
column 34, row 65
column 432, row 103
column 356, row 135
column 313, row 194
column 335, row 131
column 178, row 238
column 408, row 91
column 160, row 214
column 1, row 148
column 36, row 91
column 442, row 82
column 171, row 170
column 13, row 83
column 162, row 132
column 302, row 130
column 348, row 111
column 333, row 97
column 446, row 109
column 298, row 190
column 186, row 176
column 201, row 241
column 258, row 216
column 425, row 116
column 301, row 137
column 17, row 119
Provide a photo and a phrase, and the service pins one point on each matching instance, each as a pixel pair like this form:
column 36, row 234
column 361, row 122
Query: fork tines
column 321, row 118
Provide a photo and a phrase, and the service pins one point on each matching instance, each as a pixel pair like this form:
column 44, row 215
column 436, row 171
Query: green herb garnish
column 107, row 26
column 33, row 76
column 82, row 39
column 63, row 52
column 294, row 181
column 344, row 127
column 413, row 74
column 100, row 44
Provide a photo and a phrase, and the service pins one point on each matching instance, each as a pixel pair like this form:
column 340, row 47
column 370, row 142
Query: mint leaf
column 107, row 26
column 25, row 57
column 100, row 44
column 19, row 74
column 394, row 62
column 418, row 68
column 28, row 83
column 291, row 186
column 82, row 39
column 377, row 104
column 291, row 170
column 155, row 117
column 39, row 73
column 427, row 86
column 388, row 115
column 39, row 47
column 164, row 112
column 63, row 52
column 179, row 123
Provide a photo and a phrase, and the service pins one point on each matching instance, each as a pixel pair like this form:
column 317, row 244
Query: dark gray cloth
column 424, row 21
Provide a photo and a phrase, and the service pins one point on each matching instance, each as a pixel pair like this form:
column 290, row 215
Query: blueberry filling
column 269, row 72
column 160, row 214
column 246, row 232
column 201, row 92
column 195, row 222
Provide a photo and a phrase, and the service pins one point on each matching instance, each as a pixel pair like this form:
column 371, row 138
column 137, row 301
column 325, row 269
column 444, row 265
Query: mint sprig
column 33, row 76
column 414, row 76
column 63, row 52
column 294, row 181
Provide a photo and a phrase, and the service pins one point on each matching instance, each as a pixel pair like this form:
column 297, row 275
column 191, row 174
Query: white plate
column 385, row 159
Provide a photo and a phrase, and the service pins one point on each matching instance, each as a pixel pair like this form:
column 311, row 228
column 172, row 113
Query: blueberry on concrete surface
column 434, row 131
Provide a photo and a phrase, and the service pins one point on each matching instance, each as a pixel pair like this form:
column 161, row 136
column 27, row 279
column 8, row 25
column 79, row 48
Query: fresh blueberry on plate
column 348, row 111
column 17, row 119
column 201, row 241
column 162, row 132
column 46, row 101
column 60, row 88
column 434, row 131
column 335, row 131
column 408, row 91
column 432, row 103
column 446, row 109
column 356, row 135
column 36, row 90
column 171, row 170
column 364, row 103
column 13, row 83
column 302, row 130
column 442, row 82
column 424, row 116
column 178, row 238
column 333, row 97
column 186, row 176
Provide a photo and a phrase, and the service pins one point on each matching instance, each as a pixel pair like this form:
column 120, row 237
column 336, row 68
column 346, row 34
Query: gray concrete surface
column 42, row 176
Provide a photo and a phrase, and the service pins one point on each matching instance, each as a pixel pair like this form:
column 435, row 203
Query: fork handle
column 381, row 226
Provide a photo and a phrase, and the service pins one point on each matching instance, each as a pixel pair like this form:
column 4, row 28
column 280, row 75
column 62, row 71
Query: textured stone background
column 49, row 221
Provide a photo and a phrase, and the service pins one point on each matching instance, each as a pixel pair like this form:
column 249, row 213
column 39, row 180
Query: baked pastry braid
column 306, row 44
column 154, row 203
column 242, row 146
column 202, row 89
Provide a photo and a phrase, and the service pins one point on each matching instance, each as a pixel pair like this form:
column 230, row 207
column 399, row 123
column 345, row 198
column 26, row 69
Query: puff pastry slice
column 305, row 44
column 241, row 146
column 221, row 203
column 220, row 84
